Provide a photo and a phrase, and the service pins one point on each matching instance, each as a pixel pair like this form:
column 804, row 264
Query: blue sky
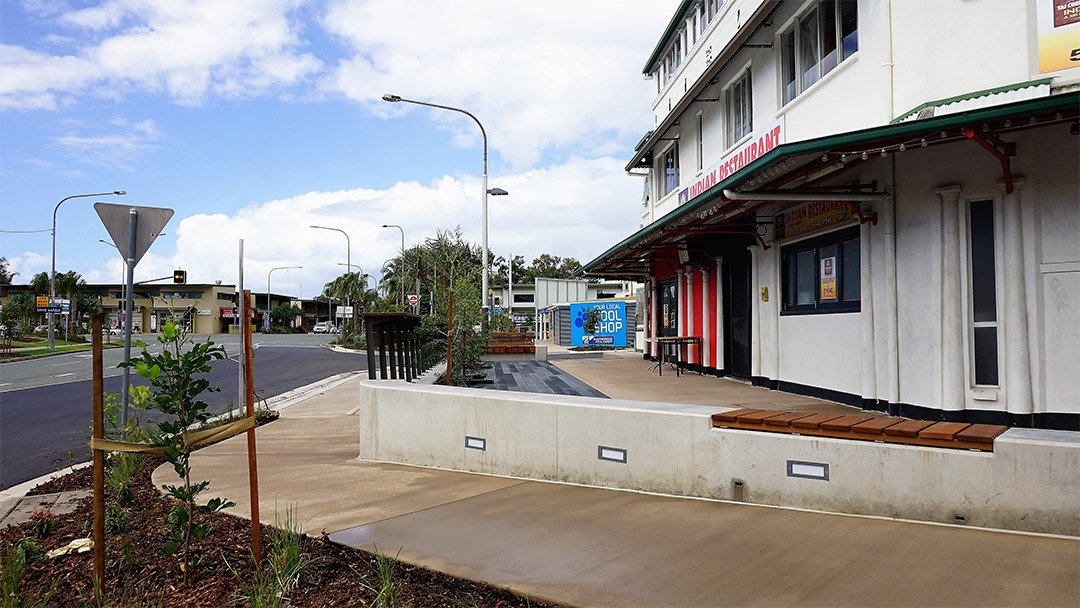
column 254, row 119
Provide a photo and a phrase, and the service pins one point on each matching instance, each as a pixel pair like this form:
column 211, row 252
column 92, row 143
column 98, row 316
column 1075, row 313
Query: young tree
column 6, row 276
column 284, row 314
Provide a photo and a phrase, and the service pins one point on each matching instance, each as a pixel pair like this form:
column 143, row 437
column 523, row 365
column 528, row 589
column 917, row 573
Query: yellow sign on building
column 42, row 301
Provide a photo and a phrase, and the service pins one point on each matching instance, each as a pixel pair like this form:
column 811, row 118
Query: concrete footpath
column 601, row 547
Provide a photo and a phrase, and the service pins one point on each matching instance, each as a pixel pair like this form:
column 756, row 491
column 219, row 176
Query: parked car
column 323, row 327
column 111, row 330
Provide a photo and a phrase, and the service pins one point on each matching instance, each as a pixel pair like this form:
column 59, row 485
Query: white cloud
column 188, row 49
column 576, row 209
column 117, row 150
column 537, row 74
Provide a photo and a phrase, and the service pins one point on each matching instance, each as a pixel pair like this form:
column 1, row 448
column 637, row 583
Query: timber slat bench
column 511, row 343
column 956, row 435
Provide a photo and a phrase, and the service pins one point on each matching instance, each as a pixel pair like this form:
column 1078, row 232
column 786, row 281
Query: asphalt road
column 45, row 404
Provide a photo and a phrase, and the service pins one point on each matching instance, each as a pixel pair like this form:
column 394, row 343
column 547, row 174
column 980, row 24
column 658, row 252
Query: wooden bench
column 511, row 343
column 956, row 435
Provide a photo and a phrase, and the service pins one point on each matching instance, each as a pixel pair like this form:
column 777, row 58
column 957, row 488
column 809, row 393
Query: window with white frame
column 984, row 317
column 738, row 109
column 714, row 8
column 671, row 169
column 820, row 39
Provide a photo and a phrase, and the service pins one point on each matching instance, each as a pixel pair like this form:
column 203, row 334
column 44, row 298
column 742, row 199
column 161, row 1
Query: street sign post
column 132, row 237
column 414, row 299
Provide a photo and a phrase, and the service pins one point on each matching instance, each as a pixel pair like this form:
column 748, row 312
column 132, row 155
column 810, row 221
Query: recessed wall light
column 476, row 443
column 612, row 454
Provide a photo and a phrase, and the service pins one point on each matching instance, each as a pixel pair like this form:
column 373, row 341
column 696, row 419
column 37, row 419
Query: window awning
column 798, row 169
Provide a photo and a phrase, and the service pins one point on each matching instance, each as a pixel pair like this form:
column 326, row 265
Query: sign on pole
column 151, row 221
column 414, row 299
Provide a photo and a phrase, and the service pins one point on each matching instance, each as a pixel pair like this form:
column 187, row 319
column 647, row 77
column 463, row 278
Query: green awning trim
column 641, row 142
column 844, row 140
column 966, row 96
column 676, row 19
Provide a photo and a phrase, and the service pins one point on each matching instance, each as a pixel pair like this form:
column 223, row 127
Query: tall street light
column 484, row 206
column 401, row 271
column 268, row 283
column 52, row 275
column 348, row 256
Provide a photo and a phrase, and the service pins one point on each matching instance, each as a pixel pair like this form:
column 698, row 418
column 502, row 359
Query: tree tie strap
column 197, row 439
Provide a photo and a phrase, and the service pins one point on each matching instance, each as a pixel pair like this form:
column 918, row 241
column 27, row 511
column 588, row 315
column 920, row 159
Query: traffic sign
column 50, row 309
column 42, row 301
column 413, row 299
column 149, row 224
column 498, row 310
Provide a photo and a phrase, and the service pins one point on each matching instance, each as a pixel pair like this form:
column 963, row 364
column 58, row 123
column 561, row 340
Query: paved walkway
column 600, row 547
column 536, row 377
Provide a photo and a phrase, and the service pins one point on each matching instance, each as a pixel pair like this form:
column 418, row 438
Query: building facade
column 874, row 202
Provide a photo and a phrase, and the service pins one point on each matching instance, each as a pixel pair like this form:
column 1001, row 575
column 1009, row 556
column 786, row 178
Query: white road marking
column 62, row 375
column 59, row 364
column 4, row 383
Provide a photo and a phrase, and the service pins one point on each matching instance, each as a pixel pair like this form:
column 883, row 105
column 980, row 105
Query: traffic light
column 179, row 276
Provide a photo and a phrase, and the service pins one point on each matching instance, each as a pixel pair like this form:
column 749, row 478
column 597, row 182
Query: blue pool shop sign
column 611, row 331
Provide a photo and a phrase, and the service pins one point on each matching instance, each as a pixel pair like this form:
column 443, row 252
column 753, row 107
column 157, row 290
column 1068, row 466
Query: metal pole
column 484, row 297
column 133, row 223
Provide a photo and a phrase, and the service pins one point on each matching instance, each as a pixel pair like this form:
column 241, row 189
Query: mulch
column 138, row 574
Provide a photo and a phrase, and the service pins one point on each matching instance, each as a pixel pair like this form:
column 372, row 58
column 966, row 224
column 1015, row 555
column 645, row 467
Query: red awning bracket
column 1001, row 150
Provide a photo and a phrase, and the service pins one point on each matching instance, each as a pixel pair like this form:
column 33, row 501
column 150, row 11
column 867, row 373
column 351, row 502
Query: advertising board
column 611, row 329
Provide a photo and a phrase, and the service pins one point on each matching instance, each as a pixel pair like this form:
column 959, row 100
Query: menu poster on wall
column 1059, row 34
column 828, row 279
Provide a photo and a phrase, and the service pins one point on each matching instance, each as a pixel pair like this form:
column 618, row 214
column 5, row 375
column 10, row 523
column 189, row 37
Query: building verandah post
column 953, row 383
column 1018, row 377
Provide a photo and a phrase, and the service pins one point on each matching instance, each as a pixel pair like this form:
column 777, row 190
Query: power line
column 26, row 231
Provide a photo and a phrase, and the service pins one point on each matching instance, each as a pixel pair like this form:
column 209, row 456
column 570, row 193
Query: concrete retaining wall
column 1030, row 482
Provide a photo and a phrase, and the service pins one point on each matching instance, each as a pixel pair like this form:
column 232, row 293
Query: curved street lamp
column 52, row 275
column 348, row 255
column 401, row 279
column 268, row 283
column 486, row 192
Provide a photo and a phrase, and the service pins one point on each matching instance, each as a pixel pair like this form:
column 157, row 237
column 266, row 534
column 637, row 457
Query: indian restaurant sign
column 811, row 217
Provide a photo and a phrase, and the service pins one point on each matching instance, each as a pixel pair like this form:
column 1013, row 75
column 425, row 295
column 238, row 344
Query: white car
column 323, row 327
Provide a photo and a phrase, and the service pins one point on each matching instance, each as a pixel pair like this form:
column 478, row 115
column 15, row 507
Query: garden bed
column 138, row 574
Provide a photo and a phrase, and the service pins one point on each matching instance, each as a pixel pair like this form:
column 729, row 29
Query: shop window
column 671, row 169
column 738, row 109
column 984, row 330
column 524, row 298
column 818, row 41
column 822, row 275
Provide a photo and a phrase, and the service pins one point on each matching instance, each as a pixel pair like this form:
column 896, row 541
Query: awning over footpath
column 795, row 171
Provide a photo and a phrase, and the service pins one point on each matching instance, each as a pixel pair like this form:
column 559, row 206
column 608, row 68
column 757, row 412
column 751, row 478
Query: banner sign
column 810, row 217
column 610, row 331
column 227, row 313
column 1059, row 34
column 754, row 148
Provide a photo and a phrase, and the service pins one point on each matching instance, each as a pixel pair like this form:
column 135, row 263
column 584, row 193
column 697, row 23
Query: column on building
column 1017, row 358
column 706, row 333
column 650, row 294
column 690, row 272
column 953, row 384
column 755, row 314
column 866, row 319
column 719, row 364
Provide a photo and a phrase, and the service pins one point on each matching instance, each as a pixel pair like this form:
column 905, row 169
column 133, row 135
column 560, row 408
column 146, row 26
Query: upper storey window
column 818, row 41
column 738, row 110
column 671, row 169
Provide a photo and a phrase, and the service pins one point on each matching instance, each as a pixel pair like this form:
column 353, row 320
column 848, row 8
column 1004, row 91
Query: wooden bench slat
column 981, row 433
column 786, row 419
column 813, row 422
column 875, row 426
column 758, row 417
column 733, row 415
column 843, row 423
column 908, row 428
column 943, row 430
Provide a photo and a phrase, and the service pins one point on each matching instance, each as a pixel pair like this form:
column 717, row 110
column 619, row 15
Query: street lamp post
column 268, row 283
column 401, row 277
column 348, row 257
column 52, row 275
column 484, row 205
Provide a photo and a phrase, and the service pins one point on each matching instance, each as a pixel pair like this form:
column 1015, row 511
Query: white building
column 870, row 201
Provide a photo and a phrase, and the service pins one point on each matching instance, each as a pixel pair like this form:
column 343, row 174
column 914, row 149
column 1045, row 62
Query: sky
column 255, row 119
